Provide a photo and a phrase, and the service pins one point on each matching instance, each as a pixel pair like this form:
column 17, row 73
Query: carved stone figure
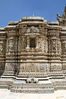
column 1, row 49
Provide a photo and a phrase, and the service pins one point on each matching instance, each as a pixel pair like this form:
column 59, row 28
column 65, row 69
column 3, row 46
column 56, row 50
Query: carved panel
column 56, row 67
column 45, row 45
column 63, row 47
column 52, row 46
column 22, row 43
column 32, row 30
column 1, row 49
column 12, row 44
column 2, row 46
column 32, row 67
column 58, row 47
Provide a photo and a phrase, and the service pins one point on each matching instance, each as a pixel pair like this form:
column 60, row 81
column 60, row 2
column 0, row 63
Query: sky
column 14, row 10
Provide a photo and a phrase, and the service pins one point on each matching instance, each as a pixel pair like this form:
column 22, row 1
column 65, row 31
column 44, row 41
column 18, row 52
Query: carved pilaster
column 28, row 43
column 54, row 50
column 37, row 43
column 63, row 42
column 11, row 55
column 2, row 53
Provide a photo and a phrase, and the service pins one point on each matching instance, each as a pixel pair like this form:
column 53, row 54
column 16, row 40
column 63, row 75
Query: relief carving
column 53, row 44
column 11, row 44
column 33, row 30
column 22, row 43
column 1, row 48
column 63, row 46
column 59, row 47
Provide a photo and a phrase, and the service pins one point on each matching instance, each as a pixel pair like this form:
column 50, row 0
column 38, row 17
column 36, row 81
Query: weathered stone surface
column 33, row 48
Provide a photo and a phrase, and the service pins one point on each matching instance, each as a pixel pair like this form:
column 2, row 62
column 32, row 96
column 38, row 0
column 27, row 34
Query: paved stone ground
column 6, row 94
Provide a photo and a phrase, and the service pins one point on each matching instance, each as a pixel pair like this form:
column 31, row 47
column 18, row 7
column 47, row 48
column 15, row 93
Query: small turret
column 62, row 19
column 64, row 14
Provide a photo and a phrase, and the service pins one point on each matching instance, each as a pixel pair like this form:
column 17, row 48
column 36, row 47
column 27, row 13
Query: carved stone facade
column 33, row 54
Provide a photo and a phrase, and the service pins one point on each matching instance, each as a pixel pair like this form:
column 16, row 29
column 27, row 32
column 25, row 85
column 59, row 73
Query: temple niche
column 33, row 54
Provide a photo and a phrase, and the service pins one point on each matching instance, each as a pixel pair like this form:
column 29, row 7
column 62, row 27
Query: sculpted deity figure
column 33, row 30
column 1, row 49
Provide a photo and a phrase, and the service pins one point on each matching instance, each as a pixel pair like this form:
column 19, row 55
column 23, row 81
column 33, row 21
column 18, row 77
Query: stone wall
column 17, row 55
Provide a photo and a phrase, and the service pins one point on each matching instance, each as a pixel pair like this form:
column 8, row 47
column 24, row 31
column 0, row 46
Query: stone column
column 11, row 54
column 55, row 50
column 28, row 43
column 63, row 42
column 36, row 42
column 2, row 51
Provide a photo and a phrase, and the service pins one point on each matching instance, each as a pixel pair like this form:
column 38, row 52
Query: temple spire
column 64, row 14
column 62, row 19
column 65, row 9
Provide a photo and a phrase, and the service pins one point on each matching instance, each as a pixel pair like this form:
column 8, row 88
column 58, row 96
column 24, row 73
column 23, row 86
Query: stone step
column 33, row 90
column 41, row 86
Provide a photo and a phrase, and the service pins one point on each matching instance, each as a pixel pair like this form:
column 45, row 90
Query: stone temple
column 33, row 55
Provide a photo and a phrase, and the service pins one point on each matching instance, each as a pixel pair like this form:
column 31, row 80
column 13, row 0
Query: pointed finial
column 33, row 14
column 65, row 9
column 64, row 13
